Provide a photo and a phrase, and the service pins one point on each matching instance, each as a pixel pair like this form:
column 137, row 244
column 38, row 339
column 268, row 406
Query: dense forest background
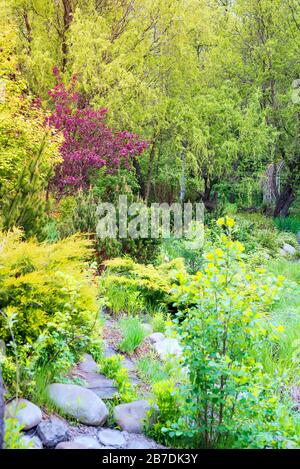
column 210, row 85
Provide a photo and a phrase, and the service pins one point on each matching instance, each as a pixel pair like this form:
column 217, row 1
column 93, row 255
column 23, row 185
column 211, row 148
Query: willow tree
column 28, row 148
column 264, row 39
column 206, row 82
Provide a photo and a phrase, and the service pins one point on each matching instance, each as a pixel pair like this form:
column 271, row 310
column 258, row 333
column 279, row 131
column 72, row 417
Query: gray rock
column 296, row 83
column 289, row 249
column 52, row 431
column 89, row 442
column 156, row 337
column 33, row 442
column 27, row 414
column 141, row 442
column 103, row 388
column 109, row 352
column 128, row 364
column 167, row 348
column 87, row 370
column 134, row 380
column 79, row 403
column 130, row 416
column 70, row 445
column 88, row 364
column 148, row 329
column 2, row 348
column 114, row 438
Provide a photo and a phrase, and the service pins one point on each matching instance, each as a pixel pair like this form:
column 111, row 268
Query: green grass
column 283, row 356
column 123, row 300
column 291, row 224
column 290, row 270
column 133, row 334
column 152, row 370
column 158, row 322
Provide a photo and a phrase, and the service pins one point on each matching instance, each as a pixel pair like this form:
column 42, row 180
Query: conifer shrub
column 148, row 284
column 48, row 302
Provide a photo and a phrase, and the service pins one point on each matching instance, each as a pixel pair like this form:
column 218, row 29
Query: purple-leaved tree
column 88, row 143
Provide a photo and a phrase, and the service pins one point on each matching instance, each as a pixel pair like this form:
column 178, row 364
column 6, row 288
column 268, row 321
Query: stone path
column 84, row 404
column 56, row 433
column 87, row 370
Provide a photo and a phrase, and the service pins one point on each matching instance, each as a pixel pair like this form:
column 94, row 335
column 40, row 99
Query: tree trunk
column 1, row 412
column 67, row 18
column 284, row 201
column 140, row 177
column 208, row 198
column 28, row 29
column 182, row 185
column 150, row 171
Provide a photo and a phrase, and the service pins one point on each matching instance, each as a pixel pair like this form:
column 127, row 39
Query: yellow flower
column 261, row 270
column 209, row 256
column 280, row 279
column 240, row 247
column 221, row 222
column 222, row 278
column 198, row 276
column 219, row 252
column 230, row 222
column 280, row 329
column 248, row 314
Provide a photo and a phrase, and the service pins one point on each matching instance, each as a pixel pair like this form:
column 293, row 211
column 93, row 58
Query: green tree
column 29, row 150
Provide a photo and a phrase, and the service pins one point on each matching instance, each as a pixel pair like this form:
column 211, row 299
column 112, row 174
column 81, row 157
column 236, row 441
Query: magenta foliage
column 88, row 144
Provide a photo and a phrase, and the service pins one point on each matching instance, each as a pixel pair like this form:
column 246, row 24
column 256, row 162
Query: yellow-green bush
column 129, row 286
column 47, row 299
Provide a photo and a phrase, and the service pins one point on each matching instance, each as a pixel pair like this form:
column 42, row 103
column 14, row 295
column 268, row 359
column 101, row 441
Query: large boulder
column 167, row 348
column 27, row 413
column 109, row 437
column 79, row 403
column 130, row 417
column 53, row 431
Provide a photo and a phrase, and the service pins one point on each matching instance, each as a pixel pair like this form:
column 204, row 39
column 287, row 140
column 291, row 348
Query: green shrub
column 189, row 248
column 258, row 234
column 122, row 298
column 13, row 435
column 46, row 292
column 152, row 370
column 111, row 365
column 79, row 214
column 223, row 328
column 9, row 373
column 133, row 334
column 158, row 322
column 113, row 369
column 291, row 224
column 166, row 408
column 149, row 285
